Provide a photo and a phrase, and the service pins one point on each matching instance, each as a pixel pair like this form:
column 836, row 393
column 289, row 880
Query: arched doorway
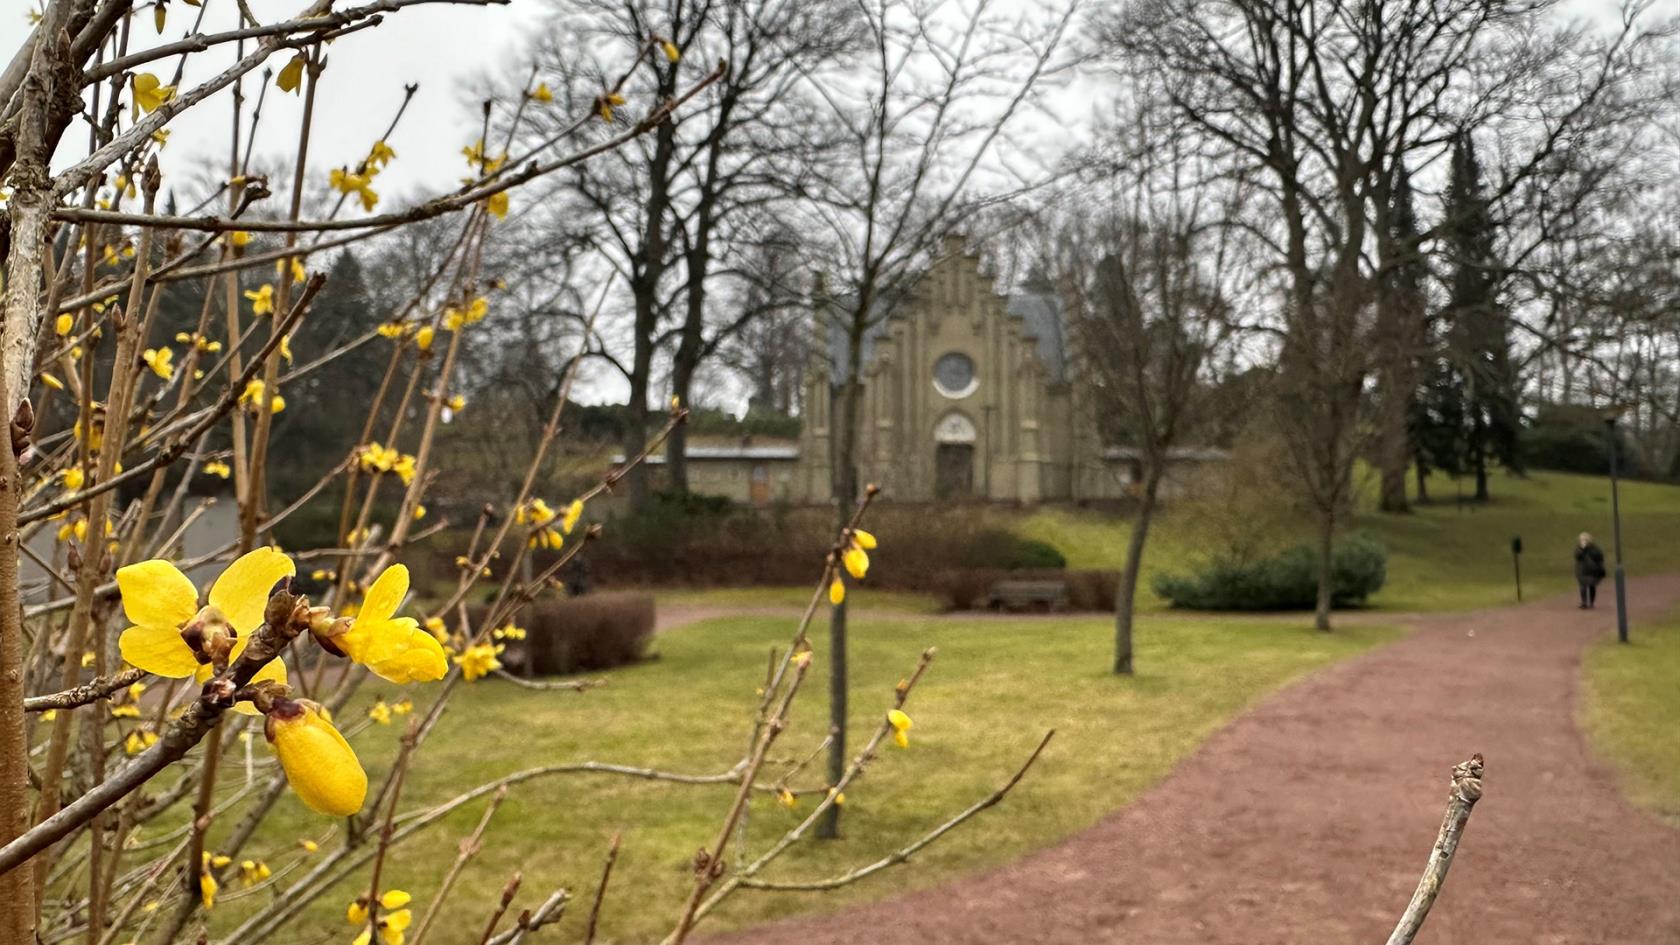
column 953, row 457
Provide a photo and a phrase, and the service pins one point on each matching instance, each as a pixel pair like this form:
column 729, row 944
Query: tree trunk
column 1125, row 599
column 1481, row 476
column 1394, row 440
column 1422, row 482
column 845, row 495
column 1326, row 571
column 676, row 446
column 635, row 436
column 17, row 896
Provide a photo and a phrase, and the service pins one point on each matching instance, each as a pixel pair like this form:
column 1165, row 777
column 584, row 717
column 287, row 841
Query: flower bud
column 319, row 764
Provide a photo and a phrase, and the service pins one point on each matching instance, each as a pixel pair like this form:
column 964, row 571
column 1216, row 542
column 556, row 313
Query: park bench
column 1019, row 595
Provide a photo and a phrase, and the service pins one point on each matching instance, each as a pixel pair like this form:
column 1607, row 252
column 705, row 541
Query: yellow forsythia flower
column 218, row 469
column 359, row 184
column 856, row 561
column 160, row 360
column 478, row 661
column 309, row 846
column 542, row 93
column 671, row 52
column 786, row 798
column 497, row 204
column 395, row 648
column 291, row 75
column 73, row 478
column 64, row 323
column 605, row 104
column 863, row 539
column 836, row 591
column 207, row 887
column 380, row 712
column 51, row 381
column 150, row 93
column 252, row 872
column 238, row 238
column 262, row 300
column 573, row 513
column 381, row 154
column 901, row 727
column 162, row 602
column 138, row 741
column 439, row 632
column 423, row 338
column 319, row 764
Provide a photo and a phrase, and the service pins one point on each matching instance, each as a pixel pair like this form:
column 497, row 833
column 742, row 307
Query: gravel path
column 1308, row 819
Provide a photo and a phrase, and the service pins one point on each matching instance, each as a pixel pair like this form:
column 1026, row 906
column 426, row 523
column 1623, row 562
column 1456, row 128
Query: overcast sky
column 445, row 48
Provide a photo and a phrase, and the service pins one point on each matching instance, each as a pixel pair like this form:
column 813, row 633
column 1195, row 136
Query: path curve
column 1308, row 818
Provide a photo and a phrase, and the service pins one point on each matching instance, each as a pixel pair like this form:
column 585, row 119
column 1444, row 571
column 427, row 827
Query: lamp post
column 1610, row 419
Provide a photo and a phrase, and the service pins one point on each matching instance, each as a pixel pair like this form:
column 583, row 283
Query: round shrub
column 1285, row 581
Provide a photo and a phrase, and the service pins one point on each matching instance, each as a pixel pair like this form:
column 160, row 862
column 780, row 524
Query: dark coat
column 1589, row 564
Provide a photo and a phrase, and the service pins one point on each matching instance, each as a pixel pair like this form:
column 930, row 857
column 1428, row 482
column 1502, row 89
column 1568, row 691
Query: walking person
column 1589, row 569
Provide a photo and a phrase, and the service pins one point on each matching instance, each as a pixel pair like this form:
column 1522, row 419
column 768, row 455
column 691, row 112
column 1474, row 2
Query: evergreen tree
column 1471, row 417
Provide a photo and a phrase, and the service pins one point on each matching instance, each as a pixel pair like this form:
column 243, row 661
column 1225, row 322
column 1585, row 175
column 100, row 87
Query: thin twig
column 903, row 854
column 85, row 693
column 469, row 848
column 601, row 891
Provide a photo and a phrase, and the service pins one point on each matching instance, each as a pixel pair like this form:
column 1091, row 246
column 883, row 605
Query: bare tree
column 1152, row 324
column 918, row 117
column 665, row 213
column 1321, row 104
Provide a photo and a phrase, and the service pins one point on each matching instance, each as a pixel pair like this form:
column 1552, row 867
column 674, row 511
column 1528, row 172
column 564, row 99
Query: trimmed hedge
column 1285, row 581
column 579, row 634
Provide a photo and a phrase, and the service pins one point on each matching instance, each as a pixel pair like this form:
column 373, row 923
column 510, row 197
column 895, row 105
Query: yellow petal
column 241, row 593
column 395, row 899
column 836, row 592
column 898, row 720
column 403, row 653
column 864, row 540
column 158, row 650
column 386, row 594
column 901, row 739
column 156, row 594
column 291, row 75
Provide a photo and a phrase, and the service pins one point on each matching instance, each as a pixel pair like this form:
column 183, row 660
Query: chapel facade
column 967, row 394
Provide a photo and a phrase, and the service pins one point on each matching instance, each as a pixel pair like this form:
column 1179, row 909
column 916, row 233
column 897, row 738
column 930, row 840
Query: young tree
column 1153, row 323
column 918, row 117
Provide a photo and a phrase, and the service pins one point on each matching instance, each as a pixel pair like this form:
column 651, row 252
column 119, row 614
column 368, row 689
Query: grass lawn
column 859, row 598
column 1440, row 557
column 996, row 685
column 1632, row 711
